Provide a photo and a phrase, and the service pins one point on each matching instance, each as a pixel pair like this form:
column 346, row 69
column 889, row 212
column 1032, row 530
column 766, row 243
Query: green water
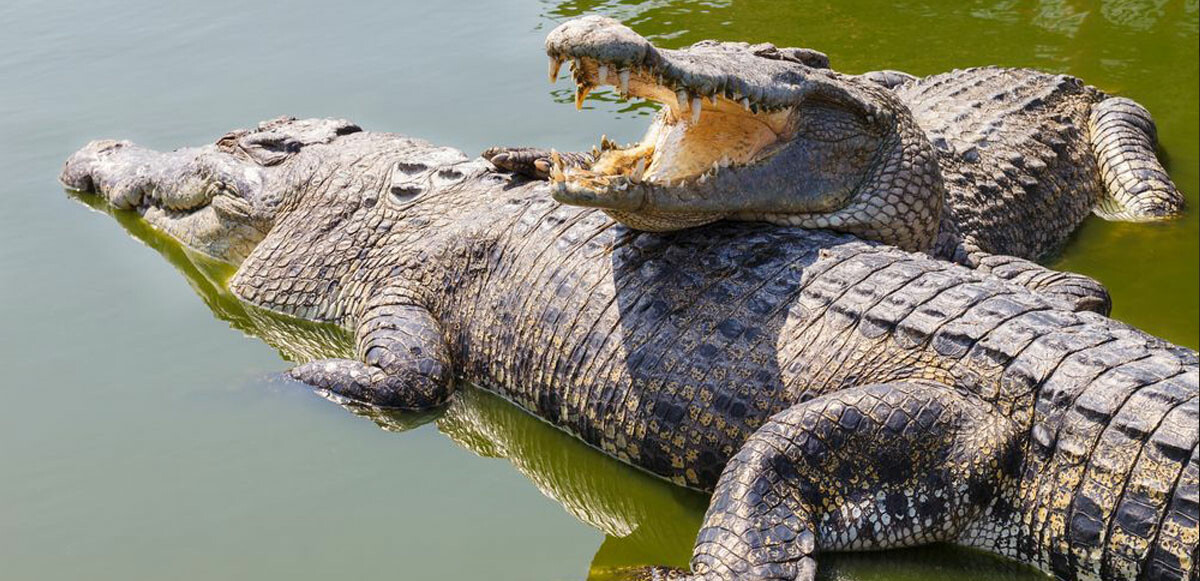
column 145, row 433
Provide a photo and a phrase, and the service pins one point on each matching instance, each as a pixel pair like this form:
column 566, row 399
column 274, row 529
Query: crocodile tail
column 1137, row 187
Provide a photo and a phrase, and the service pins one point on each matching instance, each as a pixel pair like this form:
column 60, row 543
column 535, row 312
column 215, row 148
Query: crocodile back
column 667, row 351
column 1109, row 490
column 1012, row 143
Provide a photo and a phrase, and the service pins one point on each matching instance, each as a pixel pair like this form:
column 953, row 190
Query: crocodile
column 967, row 165
column 830, row 393
column 644, row 519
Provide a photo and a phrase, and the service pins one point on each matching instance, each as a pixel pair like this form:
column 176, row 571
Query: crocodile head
column 298, row 206
column 219, row 199
column 748, row 131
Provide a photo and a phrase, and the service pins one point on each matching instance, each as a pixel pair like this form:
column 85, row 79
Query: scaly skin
column 965, row 165
column 831, row 393
column 1026, row 156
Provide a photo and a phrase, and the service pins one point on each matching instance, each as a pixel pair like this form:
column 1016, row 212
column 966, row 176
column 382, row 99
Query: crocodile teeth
column 746, row 103
column 624, row 75
column 639, row 170
column 581, row 92
column 555, row 66
column 695, row 109
column 602, row 73
column 607, row 144
column 682, row 96
column 556, row 167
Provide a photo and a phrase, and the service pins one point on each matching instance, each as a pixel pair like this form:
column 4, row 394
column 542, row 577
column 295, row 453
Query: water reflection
column 909, row 35
column 646, row 521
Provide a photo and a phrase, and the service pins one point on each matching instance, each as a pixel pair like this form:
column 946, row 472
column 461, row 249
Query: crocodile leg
column 1076, row 291
column 872, row 467
column 403, row 360
column 1138, row 188
column 532, row 162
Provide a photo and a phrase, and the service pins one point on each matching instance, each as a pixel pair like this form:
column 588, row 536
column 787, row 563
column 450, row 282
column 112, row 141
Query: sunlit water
column 145, row 432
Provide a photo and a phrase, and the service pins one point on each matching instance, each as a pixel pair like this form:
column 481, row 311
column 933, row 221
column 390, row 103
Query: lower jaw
column 204, row 232
column 650, row 221
column 675, row 151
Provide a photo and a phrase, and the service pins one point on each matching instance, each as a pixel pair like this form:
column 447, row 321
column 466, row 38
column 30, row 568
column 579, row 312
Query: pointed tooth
column 595, row 151
column 581, row 92
column 712, row 99
column 639, row 170
column 624, row 75
column 606, row 143
column 555, row 66
column 682, row 96
column 695, row 109
column 602, row 73
column 577, row 65
column 746, row 103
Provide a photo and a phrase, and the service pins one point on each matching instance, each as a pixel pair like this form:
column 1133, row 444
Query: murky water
column 144, row 433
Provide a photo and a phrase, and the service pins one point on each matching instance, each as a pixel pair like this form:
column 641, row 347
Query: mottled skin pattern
column 979, row 162
column 831, row 393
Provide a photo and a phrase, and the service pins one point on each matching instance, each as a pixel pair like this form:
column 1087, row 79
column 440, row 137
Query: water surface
column 145, row 432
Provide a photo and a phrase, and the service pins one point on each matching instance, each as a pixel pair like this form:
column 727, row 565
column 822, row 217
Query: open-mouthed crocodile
column 966, row 164
column 831, row 393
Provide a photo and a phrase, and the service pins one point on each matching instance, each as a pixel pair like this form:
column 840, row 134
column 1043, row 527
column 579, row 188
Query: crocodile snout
column 79, row 170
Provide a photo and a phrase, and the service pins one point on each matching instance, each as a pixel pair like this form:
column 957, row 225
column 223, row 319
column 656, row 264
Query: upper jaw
column 756, row 77
column 204, row 198
column 184, row 181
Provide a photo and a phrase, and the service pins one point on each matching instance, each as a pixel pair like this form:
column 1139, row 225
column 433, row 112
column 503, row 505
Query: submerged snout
column 78, row 170
column 206, row 199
